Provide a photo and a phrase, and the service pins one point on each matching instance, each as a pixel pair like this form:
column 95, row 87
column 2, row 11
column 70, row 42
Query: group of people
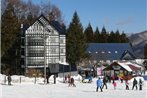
column 70, row 80
column 101, row 83
column 135, row 84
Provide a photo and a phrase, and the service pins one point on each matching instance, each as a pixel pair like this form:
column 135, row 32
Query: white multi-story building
column 43, row 45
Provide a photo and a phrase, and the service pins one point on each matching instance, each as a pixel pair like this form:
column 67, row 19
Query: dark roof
column 130, row 56
column 60, row 28
column 55, row 24
column 108, row 51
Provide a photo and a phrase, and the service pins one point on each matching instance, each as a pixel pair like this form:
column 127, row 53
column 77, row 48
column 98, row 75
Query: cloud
column 125, row 21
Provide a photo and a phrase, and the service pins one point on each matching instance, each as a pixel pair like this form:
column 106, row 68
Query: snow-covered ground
column 28, row 89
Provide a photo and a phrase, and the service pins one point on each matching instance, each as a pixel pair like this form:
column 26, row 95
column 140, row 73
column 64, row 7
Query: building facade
column 43, row 46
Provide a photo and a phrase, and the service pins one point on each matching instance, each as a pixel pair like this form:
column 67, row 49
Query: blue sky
column 129, row 16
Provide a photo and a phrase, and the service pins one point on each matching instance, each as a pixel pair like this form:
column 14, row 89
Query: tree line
column 104, row 36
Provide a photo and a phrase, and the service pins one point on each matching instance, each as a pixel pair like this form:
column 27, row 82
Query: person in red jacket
column 114, row 84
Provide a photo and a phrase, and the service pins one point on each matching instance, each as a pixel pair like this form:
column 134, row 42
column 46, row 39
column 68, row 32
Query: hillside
column 138, row 42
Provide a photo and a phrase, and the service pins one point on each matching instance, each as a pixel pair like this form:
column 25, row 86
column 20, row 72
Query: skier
column 140, row 84
column 47, row 78
column 69, row 78
column 127, row 85
column 65, row 79
column 134, row 84
column 72, row 82
column 99, row 85
column 9, row 80
column 104, row 82
column 114, row 84
column 121, row 79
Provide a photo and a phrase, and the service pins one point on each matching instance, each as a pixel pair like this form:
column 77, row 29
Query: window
column 53, row 60
column 61, row 41
column 61, row 50
column 53, row 40
column 53, row 50
column 62, row 59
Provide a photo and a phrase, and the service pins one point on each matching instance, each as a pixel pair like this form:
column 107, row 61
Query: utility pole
column 44, row 38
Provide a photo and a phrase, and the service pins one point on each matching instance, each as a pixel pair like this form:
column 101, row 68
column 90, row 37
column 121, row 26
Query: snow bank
column 23, row 79
column 3, row 78
column 78, row 77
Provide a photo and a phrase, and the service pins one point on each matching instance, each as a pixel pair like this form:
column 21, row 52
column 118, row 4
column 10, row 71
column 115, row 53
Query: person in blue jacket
column 99, row 85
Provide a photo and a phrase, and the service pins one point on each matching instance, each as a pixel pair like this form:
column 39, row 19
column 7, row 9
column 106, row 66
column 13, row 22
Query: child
column 127, row 85
column 114, row 84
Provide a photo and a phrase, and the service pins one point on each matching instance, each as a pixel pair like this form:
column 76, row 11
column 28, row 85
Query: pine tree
column 97, row 35
column 124, row 38
column 76, row 45
column 117, row 37
column 89, row 34
column 104, row 35
column 10, row 27
column 9, row 32
column 111, row 37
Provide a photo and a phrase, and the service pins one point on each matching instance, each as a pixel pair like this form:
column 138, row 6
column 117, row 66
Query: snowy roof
column 128, row 66
column 125, row 66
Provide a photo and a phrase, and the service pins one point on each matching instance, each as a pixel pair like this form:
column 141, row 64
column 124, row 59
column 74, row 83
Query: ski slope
column 28, row 89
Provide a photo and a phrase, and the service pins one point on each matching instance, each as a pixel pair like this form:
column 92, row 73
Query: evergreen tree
column 89, row 34
column 9, row 32
column 111, row 37
column 124, row 38
column 9, row 28
column 76, row 45
column 104, row 35
column 97, row 35
column 117, row 37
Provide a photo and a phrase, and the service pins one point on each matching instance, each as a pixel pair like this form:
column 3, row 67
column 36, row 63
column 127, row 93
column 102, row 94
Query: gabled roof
column 127, row 55
column 108, row 51
column 128, row 66
column 55, row 24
